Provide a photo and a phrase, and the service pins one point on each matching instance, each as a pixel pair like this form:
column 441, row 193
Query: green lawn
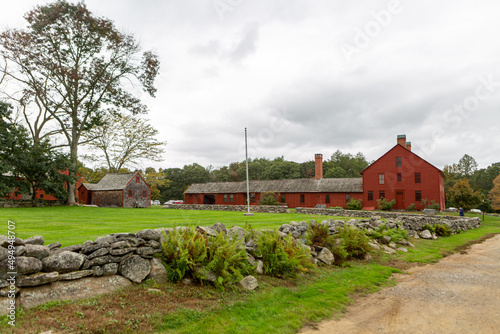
column 74, row 225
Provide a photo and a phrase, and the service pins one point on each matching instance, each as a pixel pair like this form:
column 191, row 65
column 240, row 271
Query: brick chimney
column 402, row 140
column 318, row 166
column 408, row 145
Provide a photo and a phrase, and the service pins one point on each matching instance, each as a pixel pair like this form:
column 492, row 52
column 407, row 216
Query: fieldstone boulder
column 4, row 253
column 259, row 269
column 135, row 268
column 237, row 232
column 219, row 228
column 63, row 262
column 158, row 272
column 386, row 239
column 249, row 283
column 97, row 253
column 122, row 251
column 35, row 240
column 425, row 234
column 24, row 265
column 19, row 250
column 97, row 271
column 37, row 279
column 54, row 246
column 110, row 269
column 388, row 250
column 36, row 250
column 90, row 247
column 145, row 251
column 149, row 234
column 75, row 275
column 72, row 248
column 326, row 256
column 71, row 290
column 4, row 241
column 431, row 212
column 109, row 239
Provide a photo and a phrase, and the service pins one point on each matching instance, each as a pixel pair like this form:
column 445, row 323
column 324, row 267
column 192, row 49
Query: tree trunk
column 72, row 170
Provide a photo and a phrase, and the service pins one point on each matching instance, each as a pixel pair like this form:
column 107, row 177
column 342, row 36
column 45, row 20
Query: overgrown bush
column 354, row 204
column 355, row 242
column 433, row 205
column 182, row 250
column 442, row 230
column 385, row 205
column 270, row 198
column 188, row 253
column 411, row 207
column 282, row 256
column 318, row 234
column 396, row 234
column 227, row 259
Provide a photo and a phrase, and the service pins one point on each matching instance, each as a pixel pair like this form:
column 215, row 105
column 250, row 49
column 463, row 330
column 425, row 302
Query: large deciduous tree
column 78, row 66
column 28, row 165
column 466, row 166
column 462, row 194
column 124, row 141
column 494, row 195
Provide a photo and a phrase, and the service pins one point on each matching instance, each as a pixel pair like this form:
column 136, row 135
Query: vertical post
column 248, row 182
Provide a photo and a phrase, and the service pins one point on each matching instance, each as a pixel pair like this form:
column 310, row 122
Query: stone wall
column 410, row 222
column 25, row 203
column 240, row 208
column 36, row 273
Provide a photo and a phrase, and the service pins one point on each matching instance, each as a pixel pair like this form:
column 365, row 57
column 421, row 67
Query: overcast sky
column 310, row 77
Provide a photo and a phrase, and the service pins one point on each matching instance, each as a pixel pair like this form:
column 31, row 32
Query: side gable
column 406, row 151
column 132, row 179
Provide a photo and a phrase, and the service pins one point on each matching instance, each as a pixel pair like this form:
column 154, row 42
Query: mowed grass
column 74, row 225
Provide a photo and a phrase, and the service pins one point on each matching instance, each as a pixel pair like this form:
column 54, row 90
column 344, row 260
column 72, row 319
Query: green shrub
column 354, row 204
column 396, row 234
column 319, row 235
column 270, row 198
column 384, row 204
column 431, row 228
column 182, row 250
column 443, row 230
column 227, row 259
column 282, row 256
column 411, row 207
column 355, row 242
column 433, row 205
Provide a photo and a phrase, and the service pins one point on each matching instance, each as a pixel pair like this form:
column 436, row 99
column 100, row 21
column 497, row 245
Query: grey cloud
column 247, row 44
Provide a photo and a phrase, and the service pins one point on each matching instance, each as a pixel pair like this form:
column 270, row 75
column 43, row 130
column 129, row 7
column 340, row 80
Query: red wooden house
column 402, row 175
column 116, row 190
column 399, row 174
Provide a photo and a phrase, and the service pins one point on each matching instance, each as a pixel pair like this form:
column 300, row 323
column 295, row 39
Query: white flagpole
column 248, row 182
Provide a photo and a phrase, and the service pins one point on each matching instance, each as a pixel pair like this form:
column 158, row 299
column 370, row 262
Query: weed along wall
column 32, row 273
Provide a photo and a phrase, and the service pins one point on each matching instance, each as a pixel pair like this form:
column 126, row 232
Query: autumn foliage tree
column 79, row 67
column 494, row 195
column 124, row 141
column 462, row 194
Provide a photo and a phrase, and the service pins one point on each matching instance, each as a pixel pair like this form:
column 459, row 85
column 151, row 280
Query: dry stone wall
column 240, row 208
column 36, row 273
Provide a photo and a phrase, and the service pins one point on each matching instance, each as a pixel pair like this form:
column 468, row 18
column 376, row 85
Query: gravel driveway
column 459, row 294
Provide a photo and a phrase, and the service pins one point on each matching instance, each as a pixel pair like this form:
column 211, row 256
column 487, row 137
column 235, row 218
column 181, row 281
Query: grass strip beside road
column 285, row 310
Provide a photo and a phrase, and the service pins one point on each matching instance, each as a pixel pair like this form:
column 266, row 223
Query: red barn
column 117, row 190
column 399, row 174
column 402, row 175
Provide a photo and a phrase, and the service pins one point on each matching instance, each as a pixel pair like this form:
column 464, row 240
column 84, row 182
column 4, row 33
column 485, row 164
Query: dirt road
column 460, row 294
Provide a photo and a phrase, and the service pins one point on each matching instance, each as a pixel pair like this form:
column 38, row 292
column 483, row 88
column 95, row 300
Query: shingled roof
column 347, row 185
column 111, row 181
